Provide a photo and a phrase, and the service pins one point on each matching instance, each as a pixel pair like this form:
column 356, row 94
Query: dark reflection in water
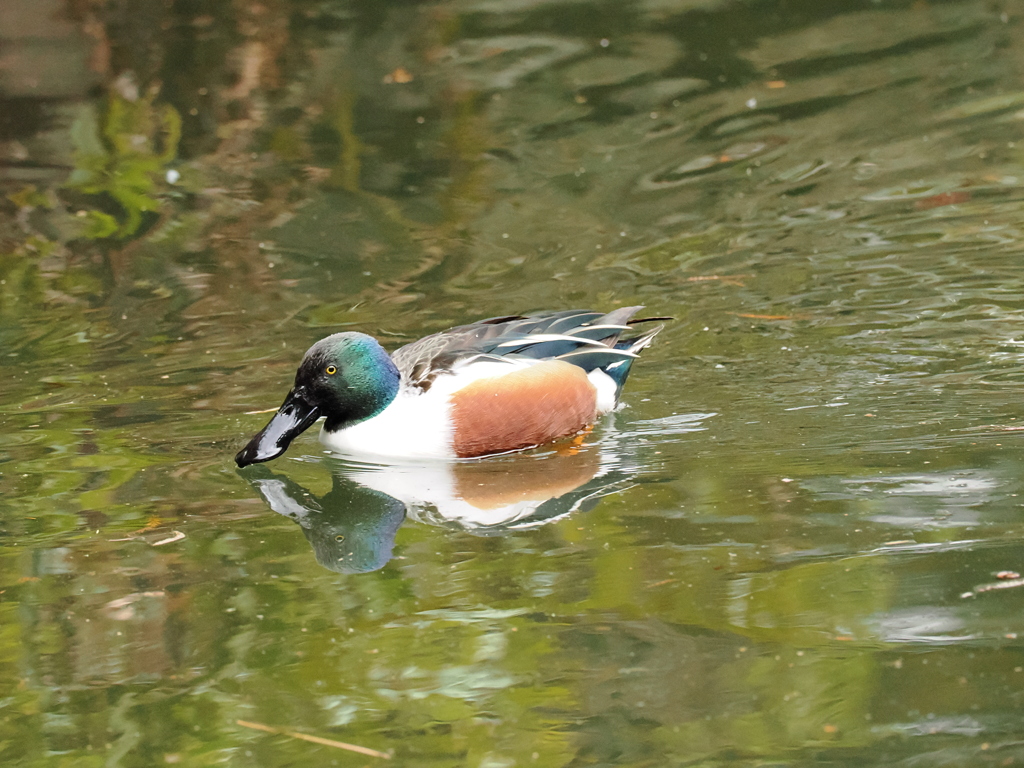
column 352, row 527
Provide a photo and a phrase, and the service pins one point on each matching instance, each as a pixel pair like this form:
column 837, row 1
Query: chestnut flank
column 527, row 407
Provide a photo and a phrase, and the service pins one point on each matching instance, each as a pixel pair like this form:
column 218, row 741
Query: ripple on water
column 668, row 426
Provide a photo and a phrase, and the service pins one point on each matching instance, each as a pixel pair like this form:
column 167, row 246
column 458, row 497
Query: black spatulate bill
column 295, row 416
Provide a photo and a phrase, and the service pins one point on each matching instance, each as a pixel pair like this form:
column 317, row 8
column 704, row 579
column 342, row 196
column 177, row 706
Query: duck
column 494, row 386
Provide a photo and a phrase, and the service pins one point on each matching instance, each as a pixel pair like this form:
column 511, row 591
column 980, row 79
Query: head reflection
column 352, row 527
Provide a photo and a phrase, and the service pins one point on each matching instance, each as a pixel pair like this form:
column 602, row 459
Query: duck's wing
column 585, row 338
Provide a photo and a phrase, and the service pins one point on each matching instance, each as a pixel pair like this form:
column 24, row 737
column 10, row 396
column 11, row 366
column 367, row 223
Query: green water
column 799, row 542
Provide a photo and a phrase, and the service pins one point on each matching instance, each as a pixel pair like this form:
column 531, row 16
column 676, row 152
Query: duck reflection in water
column 352, row 527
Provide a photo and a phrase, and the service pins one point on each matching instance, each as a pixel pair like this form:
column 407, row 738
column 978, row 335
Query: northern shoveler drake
column 493, row 386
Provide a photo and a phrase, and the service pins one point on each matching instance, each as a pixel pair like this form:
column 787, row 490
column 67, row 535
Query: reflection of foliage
column 20, row 284
column 33, row 273
column 29, row 197
column 117, row 155
column 345, row 173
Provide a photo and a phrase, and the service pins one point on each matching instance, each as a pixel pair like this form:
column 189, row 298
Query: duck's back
column 583, row 338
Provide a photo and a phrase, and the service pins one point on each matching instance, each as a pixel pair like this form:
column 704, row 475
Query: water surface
column 799, row 542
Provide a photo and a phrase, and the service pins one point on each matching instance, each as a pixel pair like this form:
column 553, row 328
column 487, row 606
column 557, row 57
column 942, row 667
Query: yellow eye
column 331, row 370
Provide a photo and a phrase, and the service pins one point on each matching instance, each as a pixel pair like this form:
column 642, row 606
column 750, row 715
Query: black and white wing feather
column 587, row 339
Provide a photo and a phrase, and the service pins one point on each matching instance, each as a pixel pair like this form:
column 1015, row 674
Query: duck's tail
column 619, row 370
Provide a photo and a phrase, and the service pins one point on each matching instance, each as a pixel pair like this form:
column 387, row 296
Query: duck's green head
column 347, row 378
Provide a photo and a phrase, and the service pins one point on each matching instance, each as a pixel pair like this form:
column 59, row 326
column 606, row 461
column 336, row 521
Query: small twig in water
column 314, row 739
column 1008, row 584
column 175, row 536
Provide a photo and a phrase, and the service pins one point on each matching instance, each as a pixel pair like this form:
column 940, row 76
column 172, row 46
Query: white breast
column 415, row 425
